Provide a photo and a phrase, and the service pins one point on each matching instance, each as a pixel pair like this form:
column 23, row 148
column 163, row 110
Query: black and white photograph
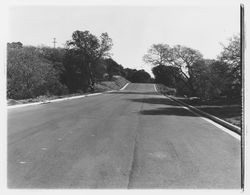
column 125, row 95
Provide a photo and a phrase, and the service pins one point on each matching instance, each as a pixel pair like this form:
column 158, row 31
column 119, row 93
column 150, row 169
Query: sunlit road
column 133, row 138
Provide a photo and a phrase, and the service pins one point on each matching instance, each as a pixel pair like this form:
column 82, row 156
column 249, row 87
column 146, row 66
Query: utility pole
column 54, row 42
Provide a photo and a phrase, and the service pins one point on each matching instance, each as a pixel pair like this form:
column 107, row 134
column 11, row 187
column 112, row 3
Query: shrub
column 166, row 90
column 29, row 75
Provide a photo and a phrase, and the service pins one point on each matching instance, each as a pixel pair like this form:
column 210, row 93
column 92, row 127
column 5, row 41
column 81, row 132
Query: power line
column 54, row 42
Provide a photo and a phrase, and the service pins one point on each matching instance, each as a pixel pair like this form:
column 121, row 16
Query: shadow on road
column 170, row 107
column 162, row 101
column 177, row 111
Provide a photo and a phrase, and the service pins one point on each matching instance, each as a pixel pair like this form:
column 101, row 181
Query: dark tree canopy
column 113, row 68
column 140, row 76
column 167, row 75
column 15, row 45
column 89, row 49
column 180, row 57
column 231, row 56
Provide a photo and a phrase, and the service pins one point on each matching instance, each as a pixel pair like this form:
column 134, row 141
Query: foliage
column 180, row 57
column 185, row 69
column 166, row 75
column 231, row 56
column 113, row 68
column 35, row 71
column 140, row 76
column 15, row 45
column 29, row 75
column 90, row 49
column 166, row 90
column 75, row 73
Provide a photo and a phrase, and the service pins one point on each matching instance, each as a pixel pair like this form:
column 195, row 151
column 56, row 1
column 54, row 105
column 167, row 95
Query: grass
column 229, row 110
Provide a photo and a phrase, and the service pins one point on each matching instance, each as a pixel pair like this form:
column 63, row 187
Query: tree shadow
column 160, row 100
column 170, row 107
column 176, row 111
column 223, row 111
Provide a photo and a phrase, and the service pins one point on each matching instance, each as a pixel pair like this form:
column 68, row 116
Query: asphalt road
column 126, row 139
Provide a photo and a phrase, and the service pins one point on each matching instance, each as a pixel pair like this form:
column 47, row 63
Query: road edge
column 205, row 114
column 63, row 99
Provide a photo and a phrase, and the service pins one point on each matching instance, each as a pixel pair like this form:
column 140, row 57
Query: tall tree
column 159, row 54
column 184, row 58
column 179, row 56
column 91, row 49
column 231, row 56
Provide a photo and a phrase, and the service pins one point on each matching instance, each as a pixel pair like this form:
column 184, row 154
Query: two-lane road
column 126, row 139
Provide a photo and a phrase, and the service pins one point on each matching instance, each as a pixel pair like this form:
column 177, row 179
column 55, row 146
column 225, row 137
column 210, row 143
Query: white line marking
column 124, row 87
column 23, row 105
column 235, row 135
column 48, row 101
column 44, row 148
column 155, row 88
column 22, row 162
column 93, row 94
column 219, row 119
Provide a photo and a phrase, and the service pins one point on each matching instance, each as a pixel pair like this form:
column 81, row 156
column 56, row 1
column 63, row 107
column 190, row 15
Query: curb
column 62, row 99
column 213, row 118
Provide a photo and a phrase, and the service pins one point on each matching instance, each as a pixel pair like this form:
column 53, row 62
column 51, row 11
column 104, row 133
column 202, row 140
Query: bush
column 29, row 75
column 166, row 90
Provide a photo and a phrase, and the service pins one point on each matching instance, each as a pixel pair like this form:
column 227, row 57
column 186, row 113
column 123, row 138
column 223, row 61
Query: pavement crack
column 134, row 163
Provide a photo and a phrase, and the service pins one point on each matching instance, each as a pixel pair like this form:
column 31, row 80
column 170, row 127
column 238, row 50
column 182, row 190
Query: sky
column 133, row 29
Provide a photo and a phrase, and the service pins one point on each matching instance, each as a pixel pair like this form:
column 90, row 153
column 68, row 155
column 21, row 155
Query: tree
column 179, row 56
column 220, row 78
column 54, row 56
column 75, row 73
column 166, row 75
column 128, row 73
column 15, row 45
column 91, row 50
column 140, row 76
column 113, row 68
column 29, row 75
column 159, row 54
column 231, row 56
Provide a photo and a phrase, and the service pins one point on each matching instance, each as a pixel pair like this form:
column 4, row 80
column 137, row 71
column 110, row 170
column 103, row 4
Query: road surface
column 133, row 138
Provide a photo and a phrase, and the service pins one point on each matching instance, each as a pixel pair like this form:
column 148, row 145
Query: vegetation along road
column 133, row 138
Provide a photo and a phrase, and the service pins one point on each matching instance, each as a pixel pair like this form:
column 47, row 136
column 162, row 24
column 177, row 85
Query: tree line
column 186, row 70
column 85, row 61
